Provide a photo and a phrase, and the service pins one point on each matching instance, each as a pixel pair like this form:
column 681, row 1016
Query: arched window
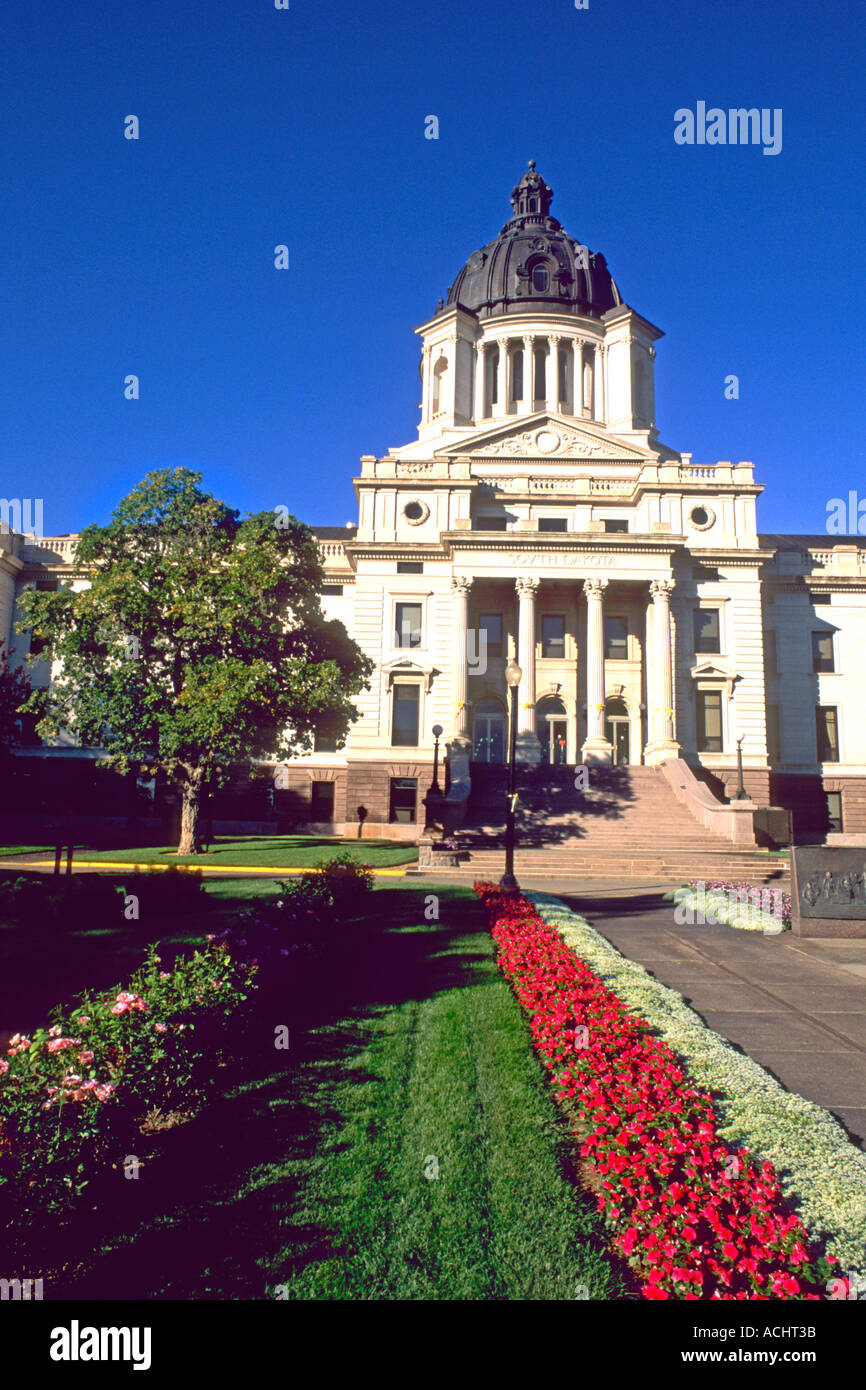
column 438, row 384
column 587, row 387
column 540, row 279
column 533, row 205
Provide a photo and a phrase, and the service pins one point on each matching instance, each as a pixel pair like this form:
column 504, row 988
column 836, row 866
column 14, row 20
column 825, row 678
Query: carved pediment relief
column 545, row 437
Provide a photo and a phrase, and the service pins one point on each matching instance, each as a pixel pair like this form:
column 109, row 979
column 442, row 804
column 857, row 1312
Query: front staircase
column 629, row 823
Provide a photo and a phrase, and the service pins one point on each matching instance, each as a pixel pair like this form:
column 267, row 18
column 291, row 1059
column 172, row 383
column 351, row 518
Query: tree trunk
column 190, row 832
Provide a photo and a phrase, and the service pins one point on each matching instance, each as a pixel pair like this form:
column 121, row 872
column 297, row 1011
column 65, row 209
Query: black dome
column 507, row 276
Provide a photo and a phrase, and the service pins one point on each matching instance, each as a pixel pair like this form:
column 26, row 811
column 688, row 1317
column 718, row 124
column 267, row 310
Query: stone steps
column 629, row 823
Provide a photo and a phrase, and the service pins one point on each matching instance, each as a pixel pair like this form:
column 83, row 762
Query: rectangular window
column 403, row 801
column 407, row 632
column 615, row 638
column 834, row 812
column 325, row 743
column 553, row 635
column 331, row 590
column 563, row 376
column 322, row 801
column 770, row 659
column 410, row 567
column 709, row 709
column 822, row 652
column 707, row 630
column 616, row 528
column 774, row 744
column 404, row 726
column 491, row 624
column 827, row 733
column 489, row 523
column 552, row 523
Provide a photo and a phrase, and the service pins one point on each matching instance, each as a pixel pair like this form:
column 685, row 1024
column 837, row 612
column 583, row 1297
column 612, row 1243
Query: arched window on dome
column 533, row 205
column 439, row 371
column 540, row 279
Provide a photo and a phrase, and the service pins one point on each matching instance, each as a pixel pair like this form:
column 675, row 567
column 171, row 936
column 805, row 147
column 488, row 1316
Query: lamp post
column 740, row 793
column 437, row 734
column 513, row 675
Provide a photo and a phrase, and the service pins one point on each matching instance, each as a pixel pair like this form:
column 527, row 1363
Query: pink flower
column 85, row 1058
column 61, row 1044
column 4, row 1066
column 160, row 1027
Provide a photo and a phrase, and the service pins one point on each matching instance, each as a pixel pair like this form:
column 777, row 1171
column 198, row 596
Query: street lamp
column 437, row 734
column 740, row 793
column 513, row 675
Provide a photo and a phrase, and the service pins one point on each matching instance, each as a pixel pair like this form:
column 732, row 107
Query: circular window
column 701, row 518
column 416, row 512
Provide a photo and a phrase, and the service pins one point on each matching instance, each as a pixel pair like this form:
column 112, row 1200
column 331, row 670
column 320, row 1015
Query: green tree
column 198, row 642
column 14, row 691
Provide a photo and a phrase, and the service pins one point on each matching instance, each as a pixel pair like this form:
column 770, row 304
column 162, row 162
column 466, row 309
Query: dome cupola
column 534, row 264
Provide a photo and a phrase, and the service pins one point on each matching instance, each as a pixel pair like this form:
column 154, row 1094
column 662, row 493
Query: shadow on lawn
column 216, row 1210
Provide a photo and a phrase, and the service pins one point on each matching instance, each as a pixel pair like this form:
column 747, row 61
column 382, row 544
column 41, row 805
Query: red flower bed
column 695, row 1218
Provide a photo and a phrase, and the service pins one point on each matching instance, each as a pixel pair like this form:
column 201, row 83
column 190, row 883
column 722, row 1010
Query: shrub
column 64, row 1090
column 305, row 917
column 73, row 901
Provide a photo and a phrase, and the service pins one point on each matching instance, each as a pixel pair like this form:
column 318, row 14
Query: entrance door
column 617, row 733
column 558, row 741
column 488, row 742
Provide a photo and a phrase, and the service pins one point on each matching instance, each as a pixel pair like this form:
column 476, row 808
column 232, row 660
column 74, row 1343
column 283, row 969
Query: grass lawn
column 315, row 1169
column 265, row 851
column 24, row 849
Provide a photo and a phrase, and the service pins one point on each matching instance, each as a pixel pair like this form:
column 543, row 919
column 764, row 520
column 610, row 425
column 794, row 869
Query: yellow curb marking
column 126, row 866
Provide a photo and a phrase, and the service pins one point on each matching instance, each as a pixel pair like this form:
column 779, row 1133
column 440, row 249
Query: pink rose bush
column 66, row 1089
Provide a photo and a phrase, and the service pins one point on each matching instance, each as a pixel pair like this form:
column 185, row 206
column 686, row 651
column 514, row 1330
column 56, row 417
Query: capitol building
column 539, row 517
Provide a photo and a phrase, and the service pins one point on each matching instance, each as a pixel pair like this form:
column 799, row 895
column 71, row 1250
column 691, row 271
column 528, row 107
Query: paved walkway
column 797, row 1006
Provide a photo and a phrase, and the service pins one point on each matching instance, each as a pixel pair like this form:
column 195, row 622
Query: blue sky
column 306, row 127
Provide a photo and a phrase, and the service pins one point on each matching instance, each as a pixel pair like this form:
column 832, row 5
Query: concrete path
column 797, row 1006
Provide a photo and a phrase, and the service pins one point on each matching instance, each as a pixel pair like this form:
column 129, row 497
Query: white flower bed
column 821, row 1172
column 737, row 905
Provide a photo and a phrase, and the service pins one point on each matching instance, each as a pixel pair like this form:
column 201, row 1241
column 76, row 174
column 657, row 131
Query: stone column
column 662, row 744
column 479, row 405
column 577, row 376
column 599, row 410
column 461, row 721
column 528, row 747
column 552, row 373
column 596, row 749
column 501, row 406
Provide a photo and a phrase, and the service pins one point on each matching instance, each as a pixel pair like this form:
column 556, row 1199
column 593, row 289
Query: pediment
column 543, row 437
column 714, row 670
